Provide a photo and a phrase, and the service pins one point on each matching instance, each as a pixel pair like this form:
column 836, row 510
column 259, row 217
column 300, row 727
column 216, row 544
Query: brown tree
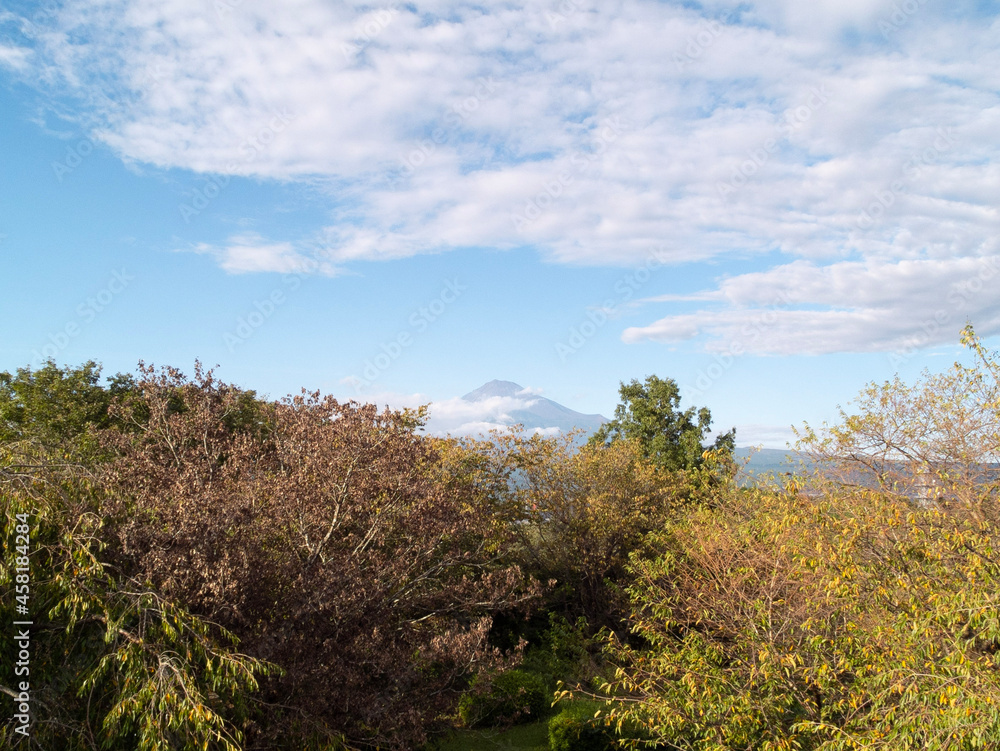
column 328, row 537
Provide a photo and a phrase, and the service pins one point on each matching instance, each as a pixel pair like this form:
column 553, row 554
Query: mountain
column 515, row 405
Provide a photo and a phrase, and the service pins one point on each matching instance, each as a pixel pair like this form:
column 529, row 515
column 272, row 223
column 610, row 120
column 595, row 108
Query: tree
column 330, row 538
column 585, row 511
column 864, row 614
column 54, row 407
column 650, row 413
column 114, row 664
column 935, row 442
column 775, row 621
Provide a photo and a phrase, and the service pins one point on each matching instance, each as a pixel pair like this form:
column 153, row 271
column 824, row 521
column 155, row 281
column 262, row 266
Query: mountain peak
column 532, row 411
column 492, row 389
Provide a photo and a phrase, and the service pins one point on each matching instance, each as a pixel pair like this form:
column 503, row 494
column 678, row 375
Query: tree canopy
column 52, row 404
column 213, row 570
column 650, row 413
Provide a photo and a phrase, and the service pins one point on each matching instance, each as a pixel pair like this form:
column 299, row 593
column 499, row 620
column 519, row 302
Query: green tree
column 54, row 407
column 650, row 413
column 584, row 512
column 832, row 623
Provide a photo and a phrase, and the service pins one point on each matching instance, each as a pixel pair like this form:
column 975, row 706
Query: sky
column 772, row 203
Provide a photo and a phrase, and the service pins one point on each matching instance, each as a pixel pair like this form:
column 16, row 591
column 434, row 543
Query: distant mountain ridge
column 537, row 411
column 778, row 461
column 533, row 411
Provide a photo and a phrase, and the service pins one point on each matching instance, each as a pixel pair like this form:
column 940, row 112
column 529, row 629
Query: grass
column 533, row 737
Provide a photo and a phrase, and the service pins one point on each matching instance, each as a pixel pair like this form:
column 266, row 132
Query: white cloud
column 765, row 436
column 460, row 417
column 826, row 130
column 531, row 391
column 250, row 253
column 851, row 306
column 457, row 416
column 14, row 57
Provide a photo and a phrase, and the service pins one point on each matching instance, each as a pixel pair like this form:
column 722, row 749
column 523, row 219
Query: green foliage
column 531, row 737
column 580, row 727
column 174, row 518
column 513, row 697
column 776, row 621
column 56, row 407
column 863, row 613
column 582, row 512
column 562, row 652
column 113, row 664
column 650, row 413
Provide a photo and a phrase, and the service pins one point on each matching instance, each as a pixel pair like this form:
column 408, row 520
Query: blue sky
column 771, row 202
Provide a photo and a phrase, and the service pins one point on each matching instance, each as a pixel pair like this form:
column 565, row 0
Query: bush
column 576, row 729
column 562, row 652
column 513, row 697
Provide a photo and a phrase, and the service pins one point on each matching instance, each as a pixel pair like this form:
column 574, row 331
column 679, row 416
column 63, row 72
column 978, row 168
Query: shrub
column 513, row 697
column 576, row 729
column 562, row 652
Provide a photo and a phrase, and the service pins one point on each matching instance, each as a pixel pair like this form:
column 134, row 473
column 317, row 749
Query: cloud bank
column 460, row 417
column 856, row 139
